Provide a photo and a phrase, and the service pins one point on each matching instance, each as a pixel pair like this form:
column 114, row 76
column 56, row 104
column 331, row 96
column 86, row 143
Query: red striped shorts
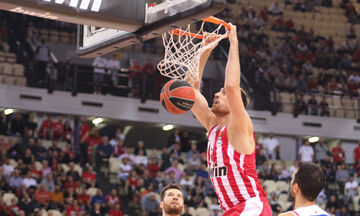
column 256, row 206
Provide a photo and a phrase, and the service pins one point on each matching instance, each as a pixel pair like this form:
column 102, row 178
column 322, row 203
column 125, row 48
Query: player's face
column 173, row 203
column 220, row 104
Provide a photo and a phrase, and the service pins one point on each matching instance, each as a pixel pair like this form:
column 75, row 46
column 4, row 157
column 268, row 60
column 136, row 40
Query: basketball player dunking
column 231, row 144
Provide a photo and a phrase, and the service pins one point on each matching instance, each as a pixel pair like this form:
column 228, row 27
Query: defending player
column 172, row 200
column 231, row 145
column 307, row 182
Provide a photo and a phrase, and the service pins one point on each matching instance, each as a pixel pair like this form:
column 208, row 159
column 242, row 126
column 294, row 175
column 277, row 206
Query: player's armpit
column 202, row 111
column 242, row 140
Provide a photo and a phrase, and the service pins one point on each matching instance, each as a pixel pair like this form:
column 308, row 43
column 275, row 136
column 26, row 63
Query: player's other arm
column 201, row 108
column 240, row 128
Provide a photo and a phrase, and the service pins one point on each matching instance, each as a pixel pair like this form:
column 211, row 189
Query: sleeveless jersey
column 313, row 210
column 232, row 174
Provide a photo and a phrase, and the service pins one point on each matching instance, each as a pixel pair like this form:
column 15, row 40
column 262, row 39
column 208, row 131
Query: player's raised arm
column 240, row 129
column 201, row 108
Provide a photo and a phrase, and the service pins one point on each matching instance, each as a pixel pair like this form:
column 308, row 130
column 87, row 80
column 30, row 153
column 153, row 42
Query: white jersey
column 313, row 210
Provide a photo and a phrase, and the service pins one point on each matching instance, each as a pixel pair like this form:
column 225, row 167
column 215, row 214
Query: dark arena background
column 88, row 136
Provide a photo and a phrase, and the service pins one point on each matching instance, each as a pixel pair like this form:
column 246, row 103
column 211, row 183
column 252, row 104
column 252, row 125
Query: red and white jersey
column 232, row 174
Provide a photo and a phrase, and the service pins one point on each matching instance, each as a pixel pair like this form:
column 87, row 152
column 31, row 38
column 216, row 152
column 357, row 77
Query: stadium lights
column 167, row 127
column 8, row 111
column 314, row 139
column 97, row 121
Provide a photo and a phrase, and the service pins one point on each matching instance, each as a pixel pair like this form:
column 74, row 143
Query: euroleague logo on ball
column 177, row 96
column 186, row 105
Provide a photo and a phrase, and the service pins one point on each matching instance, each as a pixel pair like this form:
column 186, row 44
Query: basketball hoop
column 184, row 48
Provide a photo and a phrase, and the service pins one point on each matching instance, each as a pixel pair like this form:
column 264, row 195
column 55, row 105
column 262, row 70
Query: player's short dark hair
column 244, row 98
column 311, row 180
column 170, row 186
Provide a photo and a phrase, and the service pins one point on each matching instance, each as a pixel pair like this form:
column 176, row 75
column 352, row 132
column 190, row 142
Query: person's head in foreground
column 307, row 182
column 172, row 200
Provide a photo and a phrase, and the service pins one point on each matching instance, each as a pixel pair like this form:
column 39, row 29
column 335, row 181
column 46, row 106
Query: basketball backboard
column 170, row 14
column 107, row 25
column 129, row 15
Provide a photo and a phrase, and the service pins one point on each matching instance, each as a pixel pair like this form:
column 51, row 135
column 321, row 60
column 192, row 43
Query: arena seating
column 56, row 36
column 322, row 20
column 11, row 73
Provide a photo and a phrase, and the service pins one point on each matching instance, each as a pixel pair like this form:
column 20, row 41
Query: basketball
column 177, row 96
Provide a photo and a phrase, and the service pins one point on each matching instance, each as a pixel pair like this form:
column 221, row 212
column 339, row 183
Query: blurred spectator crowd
column 42, row 170
column 279, row 56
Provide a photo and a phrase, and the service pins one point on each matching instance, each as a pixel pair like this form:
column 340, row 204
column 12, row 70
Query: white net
column 183, row 51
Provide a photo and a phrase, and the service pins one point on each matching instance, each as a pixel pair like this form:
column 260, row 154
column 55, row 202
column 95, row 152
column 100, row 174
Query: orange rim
column 211, row 19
